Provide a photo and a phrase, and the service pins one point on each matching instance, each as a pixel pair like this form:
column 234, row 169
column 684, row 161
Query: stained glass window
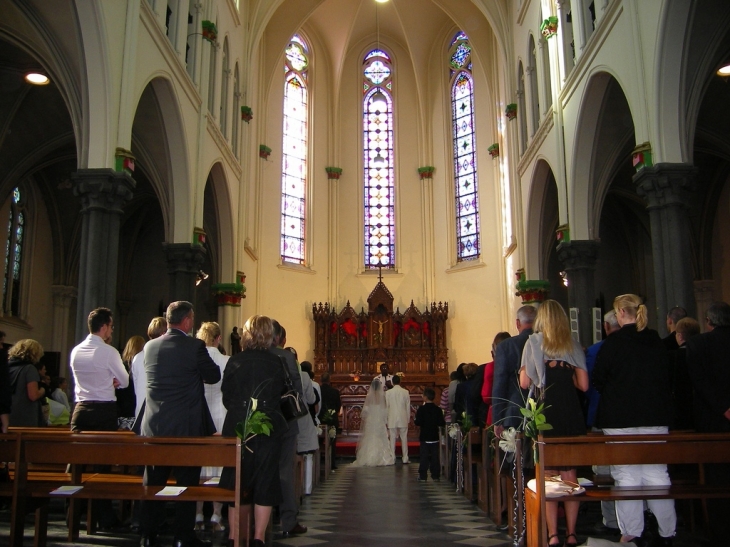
column 466, row 189
column 13, row 256
column 379, row 188
column 294, row 160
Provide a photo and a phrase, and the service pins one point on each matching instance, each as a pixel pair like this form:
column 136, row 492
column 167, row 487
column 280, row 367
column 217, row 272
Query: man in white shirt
column 98, row 369
column 399, row 415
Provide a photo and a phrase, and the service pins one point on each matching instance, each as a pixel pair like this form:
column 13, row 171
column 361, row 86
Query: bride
column 373, row 447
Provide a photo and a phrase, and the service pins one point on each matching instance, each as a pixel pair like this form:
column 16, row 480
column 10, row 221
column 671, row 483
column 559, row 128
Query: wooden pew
column 695, row 448
column 80, row 450
column 473, row 467
column 325, row 453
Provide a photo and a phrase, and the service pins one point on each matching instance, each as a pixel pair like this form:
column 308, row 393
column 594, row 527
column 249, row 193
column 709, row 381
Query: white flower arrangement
column 453, row 430
column 509, row 440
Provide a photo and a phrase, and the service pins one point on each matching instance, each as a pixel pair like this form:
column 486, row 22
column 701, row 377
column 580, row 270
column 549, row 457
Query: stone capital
column 578, row 254
column 183, row 258
column 63, row 295
column 666, row 184
column 102, row 189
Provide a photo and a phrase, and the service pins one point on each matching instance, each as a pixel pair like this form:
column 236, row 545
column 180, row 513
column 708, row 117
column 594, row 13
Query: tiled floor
column 386, row 506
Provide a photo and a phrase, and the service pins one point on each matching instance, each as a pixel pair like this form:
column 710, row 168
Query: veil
column 373, row 447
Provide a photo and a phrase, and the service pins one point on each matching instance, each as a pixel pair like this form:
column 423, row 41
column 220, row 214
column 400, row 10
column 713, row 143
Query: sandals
column 199, row 522
column 572, row 544
column 553, row 544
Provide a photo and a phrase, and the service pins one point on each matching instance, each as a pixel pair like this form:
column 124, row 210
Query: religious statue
column 235, row 341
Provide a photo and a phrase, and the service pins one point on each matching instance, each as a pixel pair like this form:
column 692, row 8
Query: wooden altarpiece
column 351, row 346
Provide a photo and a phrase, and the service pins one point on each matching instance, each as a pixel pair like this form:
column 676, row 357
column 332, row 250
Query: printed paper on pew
column 171, row 491
column 66, row 490
column 584, row 482
column 214, row 481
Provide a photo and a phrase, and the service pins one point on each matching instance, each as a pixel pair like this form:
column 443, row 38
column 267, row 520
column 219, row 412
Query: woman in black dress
column 255, row 374
column 555, row 363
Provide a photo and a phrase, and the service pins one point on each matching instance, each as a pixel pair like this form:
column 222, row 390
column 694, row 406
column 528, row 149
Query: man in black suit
column 708, row 364
column 330, row 401
column 507, row 396
column 177, row 366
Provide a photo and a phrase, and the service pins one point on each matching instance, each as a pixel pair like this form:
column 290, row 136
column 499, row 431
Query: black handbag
column 292, row 402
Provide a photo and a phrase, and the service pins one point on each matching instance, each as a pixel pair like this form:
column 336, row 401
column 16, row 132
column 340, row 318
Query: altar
column 351, row 346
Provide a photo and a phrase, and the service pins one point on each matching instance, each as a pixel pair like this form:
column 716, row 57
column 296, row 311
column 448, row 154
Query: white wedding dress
column 373, row 447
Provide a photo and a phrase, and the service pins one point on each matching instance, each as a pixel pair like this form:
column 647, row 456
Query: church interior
column 274, row 156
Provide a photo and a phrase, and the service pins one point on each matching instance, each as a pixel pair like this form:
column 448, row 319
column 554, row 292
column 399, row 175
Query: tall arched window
column 379, row 187
column 466, row 187
column 294, row 157
column 235, row 115
column 521, row 109
column 13, row 256
column 225, row 80
column 534, row 92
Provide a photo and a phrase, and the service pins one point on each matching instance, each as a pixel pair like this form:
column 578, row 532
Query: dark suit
column 507, row 396
column 177, row 366
column 288, row 510
column 708, row 365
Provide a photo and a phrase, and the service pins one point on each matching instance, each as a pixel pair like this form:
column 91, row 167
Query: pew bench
column 80, row 450
column 686, row 448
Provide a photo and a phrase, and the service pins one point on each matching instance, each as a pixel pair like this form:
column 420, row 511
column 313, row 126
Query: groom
column 398, row 401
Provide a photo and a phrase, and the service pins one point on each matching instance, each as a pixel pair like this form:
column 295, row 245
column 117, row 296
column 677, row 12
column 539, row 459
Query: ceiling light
column 36, row 78
column 381, row 1
column 379, row 161
column 724, row 71
column 379, row 102
column 200, row 277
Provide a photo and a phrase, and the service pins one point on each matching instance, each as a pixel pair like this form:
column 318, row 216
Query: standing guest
column 288, row 509
column 632, row 376
column 98, row 370
column 462, row 402
column 444, row 400
column 24, row 377
column 211, row 334
column 307, row 441
column 709, row 370
column 177, row 366
column 255, row 373
column 331, row 401
column 156, row 328
column 455, row 378
column 235, row 341
column 608, row 524
column 555, row 364
column 127, row 396
column 398, row 401
column 314, row 409
column 429, row 418
column 507, row 397
column 59, row 386
column 488, row 381
column 681, row 383
column 673, row 317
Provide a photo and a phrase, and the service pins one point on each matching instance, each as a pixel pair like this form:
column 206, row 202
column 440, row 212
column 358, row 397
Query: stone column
column 63, row 297
column 579, row 258
column 184, row 261
column 103, row 194
column 704, row 297
column 668, row 191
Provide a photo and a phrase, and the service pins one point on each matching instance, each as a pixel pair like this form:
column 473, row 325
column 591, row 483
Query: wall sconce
column 200, row 277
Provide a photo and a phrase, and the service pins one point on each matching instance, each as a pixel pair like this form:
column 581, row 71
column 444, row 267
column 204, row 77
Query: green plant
column 254, row 423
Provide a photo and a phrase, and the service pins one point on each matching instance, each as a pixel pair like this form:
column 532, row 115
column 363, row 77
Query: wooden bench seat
column 80, row 450
column 674, row 448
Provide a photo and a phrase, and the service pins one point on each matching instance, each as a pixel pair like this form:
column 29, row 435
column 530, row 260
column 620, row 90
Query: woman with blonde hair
column 255, row 376
column 127, row 397
column 210, row 333
column 632, row 376
column 555, row 364
column 24, row 376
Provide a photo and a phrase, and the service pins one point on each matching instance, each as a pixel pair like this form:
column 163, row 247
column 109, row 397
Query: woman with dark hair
column 255, row 378
column 25, row 377
column 555, row 364
column 632, row 376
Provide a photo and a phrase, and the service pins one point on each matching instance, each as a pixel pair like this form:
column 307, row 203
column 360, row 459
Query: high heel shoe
column 199, row 522
column 553, row 544
column 572, row 543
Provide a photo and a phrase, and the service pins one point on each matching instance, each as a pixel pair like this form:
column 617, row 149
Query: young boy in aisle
column 429, row 418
